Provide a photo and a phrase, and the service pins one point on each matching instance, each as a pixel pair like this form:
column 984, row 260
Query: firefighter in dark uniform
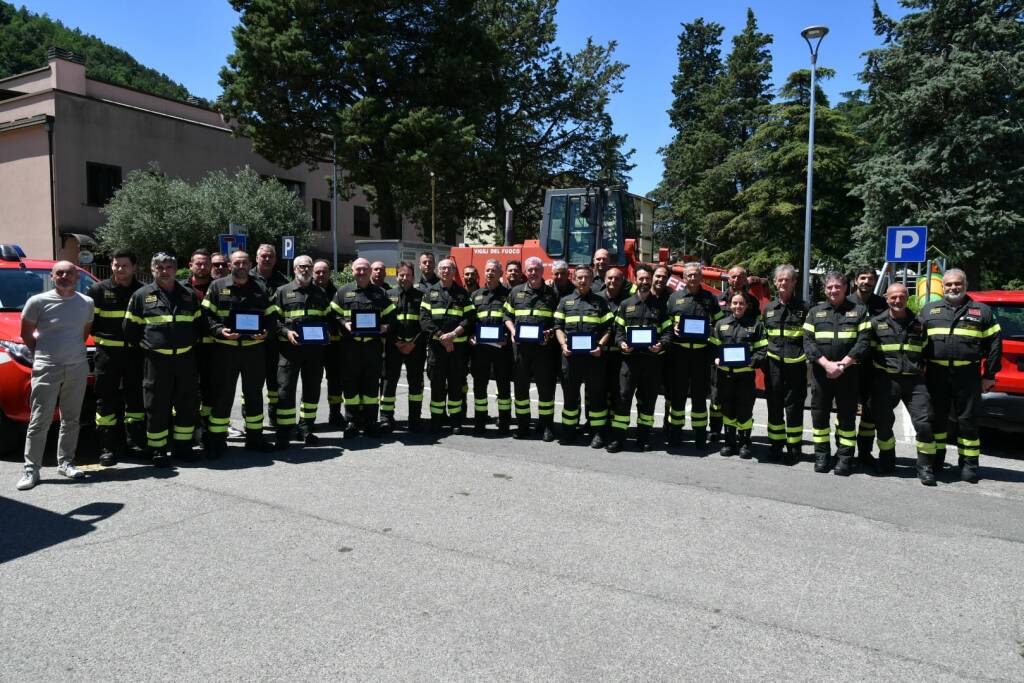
column 690, row 358
column 641, row 367
column 897, row 354
column 588, row 314
column 491, row 360
column 166, row 321
column 615, row 291
column 737, row 282
column 471, row 283
column 332, row 357
column 362, row 348
column 238, row 352
column 864, row 294
column 785, row 371
column 533, row 304
column 406, row 347
column 301, row 305
column 735, row 384
column 428, row 272
column 266, row 272
column 447, row 317
column 962, row 333
column 835, row 341
column 198, row 281
column 660, row 289
column 378, row 275
column 118, row 368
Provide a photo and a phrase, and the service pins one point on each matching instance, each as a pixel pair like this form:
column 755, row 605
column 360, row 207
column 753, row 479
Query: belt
column 172, row 352
column 799, row 359
column 100, row 341
column 953, row 363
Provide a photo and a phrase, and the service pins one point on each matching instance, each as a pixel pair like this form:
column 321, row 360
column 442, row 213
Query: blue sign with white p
column 288, row 247
column 906, row 243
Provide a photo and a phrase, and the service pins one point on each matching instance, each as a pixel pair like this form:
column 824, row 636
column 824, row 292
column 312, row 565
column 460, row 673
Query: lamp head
column 814, row 32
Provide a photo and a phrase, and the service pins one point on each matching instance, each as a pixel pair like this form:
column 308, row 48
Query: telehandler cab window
column 556, row 226
column 581, row 233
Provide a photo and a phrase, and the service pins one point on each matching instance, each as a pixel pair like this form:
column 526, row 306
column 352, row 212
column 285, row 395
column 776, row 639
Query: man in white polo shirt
column 55, row 325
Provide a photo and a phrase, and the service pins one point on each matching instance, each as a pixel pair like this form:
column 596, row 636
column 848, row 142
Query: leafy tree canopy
column 152, row 211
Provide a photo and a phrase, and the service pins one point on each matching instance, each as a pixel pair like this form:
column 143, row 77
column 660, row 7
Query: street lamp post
column 816, row 34
column 433, row 206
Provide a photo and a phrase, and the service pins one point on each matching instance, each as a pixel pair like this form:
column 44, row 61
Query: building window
column 321, row 215
column 360, row 221
column 101, row 182
column 296, row 187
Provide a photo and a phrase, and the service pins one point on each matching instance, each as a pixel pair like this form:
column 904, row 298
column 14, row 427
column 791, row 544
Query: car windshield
column 1011, row 320
column 18, row 284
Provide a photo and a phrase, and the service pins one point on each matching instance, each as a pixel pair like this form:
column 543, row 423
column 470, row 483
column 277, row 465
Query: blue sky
column 189, row 39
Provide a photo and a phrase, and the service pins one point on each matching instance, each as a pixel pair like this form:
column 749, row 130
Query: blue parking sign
column 288, row 247
column 906, row 243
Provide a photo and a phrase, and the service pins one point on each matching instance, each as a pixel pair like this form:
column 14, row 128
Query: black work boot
column 107, row 439
column 335, row 418
column 886, row 462
column 183, row 451
column 387, row 422
column 615, row 440
column 714, row 437
column 159, row 457
column 522, row 428
column 924, row 469
column 700, row 438
column 938, row 462
column 744, row 441
column 455, row 422
column 793, row 455
column 547, row 430
column 306, row 433
column 866, row 461
column 568, row 435
column 504, row 423
column 729, row 444
column 643, row 438
column 480, row 422
column 775, row 452
column 415, row 423
column 969, row 470
column 282, row 437
column 213, row 446
column 598, row 440
column 822, row 462
column 844, row 466
column 255, row 441
column 673, row 435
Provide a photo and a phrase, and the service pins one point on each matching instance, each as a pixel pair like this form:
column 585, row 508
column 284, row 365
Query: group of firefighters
column 169, row 355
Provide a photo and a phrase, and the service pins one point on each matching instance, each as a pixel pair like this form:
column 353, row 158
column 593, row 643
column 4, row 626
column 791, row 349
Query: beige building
column 67, row 142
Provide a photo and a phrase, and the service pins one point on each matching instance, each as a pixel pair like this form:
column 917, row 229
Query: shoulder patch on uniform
column 937, row 309
column 290, row 295
column 107, row 294
column 821, row 314
column 226, row 291
column 520, row 296
column 770, row 314
column 630, row 309
column 350, row 295
column 434, row 294
column 479, row 298
column 724, row 328
column 569, row 302
column 852, row 314
column 150, row 298
column 883, row 326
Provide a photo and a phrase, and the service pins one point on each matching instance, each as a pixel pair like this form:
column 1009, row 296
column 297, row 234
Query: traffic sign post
column 288, row 247
column 906, row 243
column 229, row 243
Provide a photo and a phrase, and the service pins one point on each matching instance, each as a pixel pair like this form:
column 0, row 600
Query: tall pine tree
column 947, row 117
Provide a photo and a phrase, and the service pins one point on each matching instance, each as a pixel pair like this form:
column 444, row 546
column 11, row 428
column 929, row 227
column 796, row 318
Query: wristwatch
column 841, row 365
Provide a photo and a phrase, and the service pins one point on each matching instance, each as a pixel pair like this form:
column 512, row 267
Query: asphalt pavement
column 483, row 558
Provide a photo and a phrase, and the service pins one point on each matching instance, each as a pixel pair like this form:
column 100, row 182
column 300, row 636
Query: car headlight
column 18, row 352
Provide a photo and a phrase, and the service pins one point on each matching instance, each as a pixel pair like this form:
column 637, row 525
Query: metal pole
column 334, row 207
column 806, row 274
column 433, row 207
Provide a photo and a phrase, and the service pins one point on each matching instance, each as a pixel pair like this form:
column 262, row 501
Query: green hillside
column 25, row 37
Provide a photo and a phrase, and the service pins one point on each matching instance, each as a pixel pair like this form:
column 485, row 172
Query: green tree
column 544, row 119
column 152, row 211
column 767, row 227
column 717, row 109
column 25, row 38
column 390, row 84
column 946, row 110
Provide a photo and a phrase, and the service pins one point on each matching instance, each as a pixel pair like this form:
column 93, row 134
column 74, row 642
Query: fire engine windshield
column 18, row 284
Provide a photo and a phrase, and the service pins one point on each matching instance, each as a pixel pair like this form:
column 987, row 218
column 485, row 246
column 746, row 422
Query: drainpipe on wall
column 48, row 127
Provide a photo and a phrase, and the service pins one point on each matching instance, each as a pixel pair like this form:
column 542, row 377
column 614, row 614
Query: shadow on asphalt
column 27, row 529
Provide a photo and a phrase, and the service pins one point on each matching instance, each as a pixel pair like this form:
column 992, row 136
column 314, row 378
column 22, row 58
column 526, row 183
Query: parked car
column 20, row 278
column 1003, row 407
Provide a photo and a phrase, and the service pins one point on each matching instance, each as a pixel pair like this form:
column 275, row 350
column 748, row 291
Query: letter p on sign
column 906, row 244
column 288, row 248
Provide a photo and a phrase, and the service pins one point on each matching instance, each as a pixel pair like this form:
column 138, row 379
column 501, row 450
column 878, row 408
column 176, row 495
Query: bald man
column 364, row 314
column 54, row 326
column 897, row 348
